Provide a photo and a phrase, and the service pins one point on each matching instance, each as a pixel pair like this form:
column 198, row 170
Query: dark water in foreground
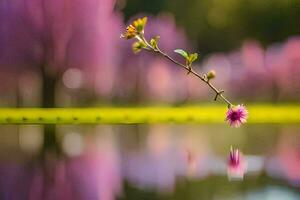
column 149, row 162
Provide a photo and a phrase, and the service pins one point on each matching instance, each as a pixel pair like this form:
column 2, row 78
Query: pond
column 156, row 161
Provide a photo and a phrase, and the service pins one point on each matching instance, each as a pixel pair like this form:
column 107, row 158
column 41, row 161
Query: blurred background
column 67, row 53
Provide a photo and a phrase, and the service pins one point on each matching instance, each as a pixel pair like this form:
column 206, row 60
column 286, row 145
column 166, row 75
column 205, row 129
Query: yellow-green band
column 135, row 115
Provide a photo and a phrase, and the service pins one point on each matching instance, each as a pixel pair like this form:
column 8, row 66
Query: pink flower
column 236, row 166
column 237, row 115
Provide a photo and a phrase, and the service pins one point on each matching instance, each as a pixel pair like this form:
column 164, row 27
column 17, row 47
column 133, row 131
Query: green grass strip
column 282, row 114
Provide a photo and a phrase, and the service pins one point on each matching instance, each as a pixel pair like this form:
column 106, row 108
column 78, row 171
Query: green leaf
column 193, row 57
column 182, row 53
column 154, row 42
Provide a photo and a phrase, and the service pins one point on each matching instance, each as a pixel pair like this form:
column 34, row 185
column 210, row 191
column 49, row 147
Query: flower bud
column 135, row 29
column 138, row 46
column 210, row 75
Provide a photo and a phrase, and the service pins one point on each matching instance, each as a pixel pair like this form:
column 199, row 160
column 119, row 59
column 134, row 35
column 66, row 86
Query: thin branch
column 219, row 93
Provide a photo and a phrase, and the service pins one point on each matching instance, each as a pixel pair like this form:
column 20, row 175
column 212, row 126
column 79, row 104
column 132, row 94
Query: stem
column 219, row 93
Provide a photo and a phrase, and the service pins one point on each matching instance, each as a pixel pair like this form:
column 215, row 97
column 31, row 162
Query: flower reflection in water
column 236, row 165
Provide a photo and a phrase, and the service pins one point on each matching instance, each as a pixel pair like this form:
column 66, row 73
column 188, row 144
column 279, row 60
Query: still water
column 165, row 161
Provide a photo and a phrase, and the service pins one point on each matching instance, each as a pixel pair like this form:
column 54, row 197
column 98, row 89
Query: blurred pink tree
column 49, row 37
column 260, row 74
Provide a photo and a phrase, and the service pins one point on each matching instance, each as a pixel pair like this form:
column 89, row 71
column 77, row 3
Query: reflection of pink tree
column 166, row 157
column 95, row 174
column 288, row 152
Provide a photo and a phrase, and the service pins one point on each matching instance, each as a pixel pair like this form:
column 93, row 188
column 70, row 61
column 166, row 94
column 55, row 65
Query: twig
column 219, row 93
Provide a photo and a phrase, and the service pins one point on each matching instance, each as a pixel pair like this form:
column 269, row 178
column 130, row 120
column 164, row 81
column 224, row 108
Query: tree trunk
column 50, row 152
column 48, row 101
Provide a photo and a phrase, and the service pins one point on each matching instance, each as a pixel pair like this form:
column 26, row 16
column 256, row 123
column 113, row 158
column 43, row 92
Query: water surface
column 166, row 161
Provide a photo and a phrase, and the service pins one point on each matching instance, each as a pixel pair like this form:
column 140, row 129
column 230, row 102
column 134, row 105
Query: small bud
column 192, row 57
column 138, row 46
column 210, row 75
column 130, row 32
column 154, row 42
column 135, row 29
column 140, row 24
